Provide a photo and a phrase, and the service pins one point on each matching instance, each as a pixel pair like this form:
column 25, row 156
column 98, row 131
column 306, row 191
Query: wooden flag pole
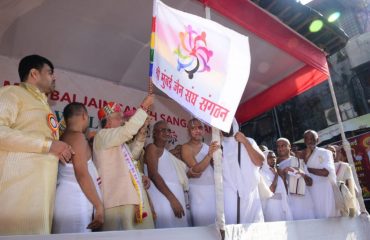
column 217, row 172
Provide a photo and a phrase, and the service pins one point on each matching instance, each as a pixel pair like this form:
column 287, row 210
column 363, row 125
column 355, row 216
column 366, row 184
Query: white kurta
column 202, row 194
column 301, row 206
column 243, row 179
column 165, row 216
column 277, row 207
column 322, row 189
column 73, row 211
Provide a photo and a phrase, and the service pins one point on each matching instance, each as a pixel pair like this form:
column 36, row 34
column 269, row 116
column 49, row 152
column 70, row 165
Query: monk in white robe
column 295, row 174
column 320, row 165
column 168, row 175
column 275, row 208
column 29, row 150
column 344, row 175
column 78, row 197
column 241, row 179
column 198, row 156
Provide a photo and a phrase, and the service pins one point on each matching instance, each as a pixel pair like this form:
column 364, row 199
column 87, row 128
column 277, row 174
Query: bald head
column 311, row 138
column 283, row 148
column 283, row 140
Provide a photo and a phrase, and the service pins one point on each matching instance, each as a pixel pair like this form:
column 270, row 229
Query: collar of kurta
column 35, row 91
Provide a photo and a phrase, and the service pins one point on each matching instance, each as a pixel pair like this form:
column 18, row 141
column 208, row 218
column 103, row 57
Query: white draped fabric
column 241, row 179
column 165, row 216
column 322, row 187
column 202, row 194
column 275, row 208
column 301, row 205
column 73, row 211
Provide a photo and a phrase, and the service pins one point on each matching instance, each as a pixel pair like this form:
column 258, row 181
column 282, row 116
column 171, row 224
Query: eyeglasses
column 164, row 130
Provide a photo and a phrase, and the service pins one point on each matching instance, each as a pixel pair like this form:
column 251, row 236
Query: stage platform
column 333, row 229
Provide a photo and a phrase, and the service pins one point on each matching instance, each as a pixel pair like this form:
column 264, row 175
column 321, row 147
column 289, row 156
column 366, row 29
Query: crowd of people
column 62, row 184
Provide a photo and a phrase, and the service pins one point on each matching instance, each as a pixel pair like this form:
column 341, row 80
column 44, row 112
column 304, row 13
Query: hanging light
column 316, row 25
column 333, row 17
column 304, row 2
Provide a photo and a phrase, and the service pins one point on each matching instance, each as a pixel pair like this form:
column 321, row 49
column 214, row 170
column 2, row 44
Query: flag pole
column 347, row 148
column 217, row 172
column 152, row 45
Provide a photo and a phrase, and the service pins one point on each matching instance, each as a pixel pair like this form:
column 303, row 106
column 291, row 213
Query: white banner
column 94, row 92
column 200, row 64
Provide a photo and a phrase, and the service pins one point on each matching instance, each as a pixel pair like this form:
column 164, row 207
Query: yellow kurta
column 28, row 172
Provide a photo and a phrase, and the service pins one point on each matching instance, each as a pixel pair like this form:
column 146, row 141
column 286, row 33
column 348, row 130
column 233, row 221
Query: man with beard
column 29, row 150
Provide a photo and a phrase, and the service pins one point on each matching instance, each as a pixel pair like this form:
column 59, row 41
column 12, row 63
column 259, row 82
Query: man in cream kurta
column 121, row 186
column 29, row 150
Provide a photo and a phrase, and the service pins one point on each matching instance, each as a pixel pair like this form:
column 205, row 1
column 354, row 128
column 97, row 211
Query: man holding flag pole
column 186, row 58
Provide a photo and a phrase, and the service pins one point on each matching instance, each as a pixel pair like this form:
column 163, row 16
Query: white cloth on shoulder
column 301, row 205
column 275, row 208
column 322, row 187
column 241, row 179
column 202, row 194
column 72, row 210
column 165, row 216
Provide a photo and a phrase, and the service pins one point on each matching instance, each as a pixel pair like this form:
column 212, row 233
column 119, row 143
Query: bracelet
column 144, row 108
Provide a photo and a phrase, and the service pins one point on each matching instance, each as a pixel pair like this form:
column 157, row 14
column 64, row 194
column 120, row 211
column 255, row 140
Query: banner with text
column 360, row 147
column 94, row 93
column 199, row 63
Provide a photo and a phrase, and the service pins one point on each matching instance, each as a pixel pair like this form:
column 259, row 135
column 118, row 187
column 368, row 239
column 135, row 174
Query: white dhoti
column 202, row 194
column 275, row 208
column 165, row 215
column 73, row 211
column 322, row 187
column 301, row 205
column 242, row 180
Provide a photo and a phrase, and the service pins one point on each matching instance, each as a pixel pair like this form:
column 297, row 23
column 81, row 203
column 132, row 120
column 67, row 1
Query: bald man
column 320, row 165
column 295, row 174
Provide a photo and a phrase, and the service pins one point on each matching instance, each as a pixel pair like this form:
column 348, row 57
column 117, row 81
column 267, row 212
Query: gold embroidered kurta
column 28, row 172
column 117, row 187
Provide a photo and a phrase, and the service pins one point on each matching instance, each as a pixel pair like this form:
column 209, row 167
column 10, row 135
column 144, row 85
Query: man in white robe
column 170, row 182
column 241, row 179
column 198, row 156
column 344, row 175
column 275, row 208
column 320, row 165
column 295, row 174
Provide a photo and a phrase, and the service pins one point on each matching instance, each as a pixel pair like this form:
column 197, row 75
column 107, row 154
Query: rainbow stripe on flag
column 200, row 64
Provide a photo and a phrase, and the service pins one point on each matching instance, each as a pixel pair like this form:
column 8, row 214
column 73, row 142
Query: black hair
column 156, row 125
column 73, row 109
column 103, row 122
column 30, row 62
